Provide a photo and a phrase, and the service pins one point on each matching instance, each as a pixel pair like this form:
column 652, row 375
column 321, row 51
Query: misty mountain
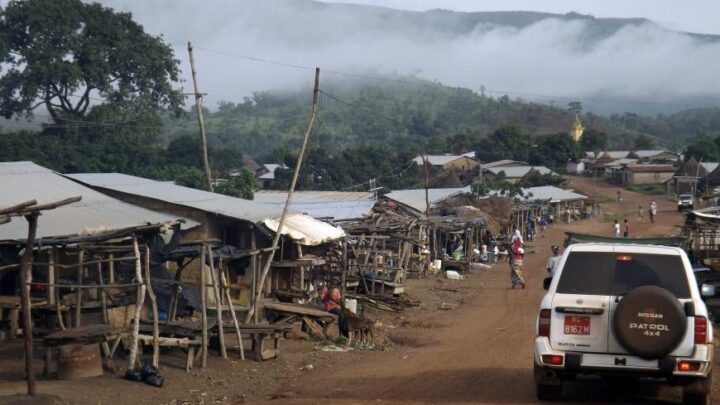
column 611, row 65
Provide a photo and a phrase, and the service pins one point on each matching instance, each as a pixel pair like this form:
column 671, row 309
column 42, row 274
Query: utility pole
column 278, row 233
column 427, row 196
column 201, row 121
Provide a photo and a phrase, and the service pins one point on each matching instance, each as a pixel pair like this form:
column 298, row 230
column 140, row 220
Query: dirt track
column 480, row 352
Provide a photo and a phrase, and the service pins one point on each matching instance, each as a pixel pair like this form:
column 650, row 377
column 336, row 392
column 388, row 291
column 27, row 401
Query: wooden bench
column 260, row 336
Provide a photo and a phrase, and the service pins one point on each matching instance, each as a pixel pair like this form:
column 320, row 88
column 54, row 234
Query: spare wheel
column 649, row 322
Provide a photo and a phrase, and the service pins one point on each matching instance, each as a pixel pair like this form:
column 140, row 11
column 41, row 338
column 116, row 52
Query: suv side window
column 605, row 273
column 588, row 273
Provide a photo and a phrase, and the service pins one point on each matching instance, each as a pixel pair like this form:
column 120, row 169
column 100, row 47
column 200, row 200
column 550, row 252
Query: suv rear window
column 606, row 273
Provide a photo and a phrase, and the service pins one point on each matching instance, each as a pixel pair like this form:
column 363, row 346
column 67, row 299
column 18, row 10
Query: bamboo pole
column 139, row 301
column 58, row 311
column 26, row 278
column 203, row 309
column 78, row 303
column 153, row 303
column 218, row 304
column 236, row 324
column 201, row 121
column 298, row 165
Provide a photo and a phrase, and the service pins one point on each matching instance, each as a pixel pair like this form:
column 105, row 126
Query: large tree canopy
column 62, row 53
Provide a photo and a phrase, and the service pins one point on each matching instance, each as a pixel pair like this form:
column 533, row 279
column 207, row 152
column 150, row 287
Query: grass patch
column 603, row 199
column 611, row 217
column 651, row 189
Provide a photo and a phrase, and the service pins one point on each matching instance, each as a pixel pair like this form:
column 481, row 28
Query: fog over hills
column 611, row 65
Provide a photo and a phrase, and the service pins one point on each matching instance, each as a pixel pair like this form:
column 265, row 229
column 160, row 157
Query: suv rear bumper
column 575, row 363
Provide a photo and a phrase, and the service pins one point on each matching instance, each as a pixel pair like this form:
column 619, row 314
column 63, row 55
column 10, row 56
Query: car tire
column 549, row 392
column 649, row 322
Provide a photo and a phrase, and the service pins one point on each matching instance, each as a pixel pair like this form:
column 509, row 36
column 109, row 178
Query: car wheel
column 696, row 399
column 549, row 392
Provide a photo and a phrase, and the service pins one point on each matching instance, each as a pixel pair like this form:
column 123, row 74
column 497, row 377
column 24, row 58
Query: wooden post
column 139, row 302
column 344, row 271
column 111, row 270
column 78, row 303
column 176, row 293
column 218, row 304
column 103, row 299
column 58, row 310
column 26, row 278
column 298, row 165
column 225, row 285
column 203, row 309
column 253, row 270
column 51, row 291
column 153, row 304
column 201, row 121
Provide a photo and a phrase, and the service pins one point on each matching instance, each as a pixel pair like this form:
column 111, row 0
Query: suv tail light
column 544, row 323
column 700, row 330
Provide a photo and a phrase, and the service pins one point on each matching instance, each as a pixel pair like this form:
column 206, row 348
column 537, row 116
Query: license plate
column 577, row 325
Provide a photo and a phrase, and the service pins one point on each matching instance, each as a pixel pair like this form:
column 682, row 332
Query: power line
column 425, row 84
column 349, row 104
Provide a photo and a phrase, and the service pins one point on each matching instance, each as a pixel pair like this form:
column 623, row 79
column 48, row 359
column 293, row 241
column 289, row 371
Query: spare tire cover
column 649, row 322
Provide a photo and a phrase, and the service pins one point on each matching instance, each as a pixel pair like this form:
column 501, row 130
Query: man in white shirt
column 617, row 229
column 553, row 261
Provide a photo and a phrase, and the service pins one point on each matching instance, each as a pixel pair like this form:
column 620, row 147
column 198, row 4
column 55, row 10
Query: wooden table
column 12, row 305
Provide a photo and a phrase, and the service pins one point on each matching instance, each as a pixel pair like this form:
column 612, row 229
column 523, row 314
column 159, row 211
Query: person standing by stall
column 516, row 267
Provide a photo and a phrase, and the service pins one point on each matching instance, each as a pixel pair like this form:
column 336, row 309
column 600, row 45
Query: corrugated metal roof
column 504, row 162
column 709, row 166
column 232, row 207
column 647, row 153
column 95, row 213
column 337, row 205
column 551, row 193
column 439, row 160
column 416, row 198
column 519, row 171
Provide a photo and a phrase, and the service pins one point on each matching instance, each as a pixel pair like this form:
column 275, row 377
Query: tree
column 643, row 142
column 554, row 150
column 241, row 186
column 703, row 149
column 575, row 107
column 593, row 141
column 508, row 142
column 498, row 186
column 61, row 53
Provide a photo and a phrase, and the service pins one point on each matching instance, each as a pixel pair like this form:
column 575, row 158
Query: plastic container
column 456, row 255
column 437, row 263
column 351, row 304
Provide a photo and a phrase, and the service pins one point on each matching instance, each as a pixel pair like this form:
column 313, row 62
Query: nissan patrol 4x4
column 622, row 310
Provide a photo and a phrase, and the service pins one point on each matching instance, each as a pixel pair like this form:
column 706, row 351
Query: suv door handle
column 580, row 310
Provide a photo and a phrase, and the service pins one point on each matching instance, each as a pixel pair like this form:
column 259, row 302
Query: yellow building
column 576, row 131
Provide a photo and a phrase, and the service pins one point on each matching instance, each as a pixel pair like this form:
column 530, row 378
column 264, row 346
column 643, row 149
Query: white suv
column 624, row 310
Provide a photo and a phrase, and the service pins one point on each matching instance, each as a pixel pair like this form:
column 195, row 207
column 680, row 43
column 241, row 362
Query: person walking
column 626, row 232
column 543, row 224
column 553, row 261
column 640, row 214
column 616, row 227
column 654, row 209
column 516, row 263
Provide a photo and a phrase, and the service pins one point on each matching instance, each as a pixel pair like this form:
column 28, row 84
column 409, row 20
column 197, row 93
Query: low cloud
column 552, row 57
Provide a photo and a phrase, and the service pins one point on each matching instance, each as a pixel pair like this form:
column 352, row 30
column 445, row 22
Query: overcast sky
column 687, row 15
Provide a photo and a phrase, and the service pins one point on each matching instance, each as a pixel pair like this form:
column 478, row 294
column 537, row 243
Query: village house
column 266, row 174
column 503, row 163
column 647, row 174
column 463, row 162
column 690, row 175
column 513, row 174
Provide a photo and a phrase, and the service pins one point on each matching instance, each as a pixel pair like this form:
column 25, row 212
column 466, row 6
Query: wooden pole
column 218, row 304
column 26, row 278
column 254, row 271
column 276, row 238
column 203, row 309
column 344, row 270
column 58, row 310
column 225, row 285
column 103, row 298
column 139, row 302
column 201, row 121
column 153, row 304
column 78, row 303
column 427, row 181
column 51, row 292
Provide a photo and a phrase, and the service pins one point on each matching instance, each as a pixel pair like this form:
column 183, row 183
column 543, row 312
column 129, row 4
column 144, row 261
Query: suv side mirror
column 707, row 290
column 548, row 281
